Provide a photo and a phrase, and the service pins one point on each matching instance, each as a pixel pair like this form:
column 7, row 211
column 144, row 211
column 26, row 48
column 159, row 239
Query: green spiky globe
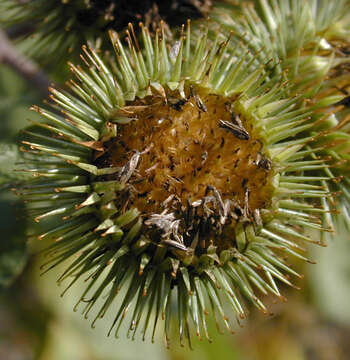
column 179, row 181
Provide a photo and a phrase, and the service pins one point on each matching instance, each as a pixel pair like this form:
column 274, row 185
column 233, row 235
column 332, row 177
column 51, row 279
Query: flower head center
column 183, row 150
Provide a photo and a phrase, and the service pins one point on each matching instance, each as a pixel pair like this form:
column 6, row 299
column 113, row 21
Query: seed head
column 181, row 176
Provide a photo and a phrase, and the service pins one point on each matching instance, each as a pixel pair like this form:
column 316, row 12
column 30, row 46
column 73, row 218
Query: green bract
column 182, row 258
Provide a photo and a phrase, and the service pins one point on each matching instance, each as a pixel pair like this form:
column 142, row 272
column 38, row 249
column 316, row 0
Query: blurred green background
column 36, row 323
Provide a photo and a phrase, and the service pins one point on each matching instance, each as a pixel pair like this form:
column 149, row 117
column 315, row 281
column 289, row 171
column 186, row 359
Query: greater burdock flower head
column 180, row 181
